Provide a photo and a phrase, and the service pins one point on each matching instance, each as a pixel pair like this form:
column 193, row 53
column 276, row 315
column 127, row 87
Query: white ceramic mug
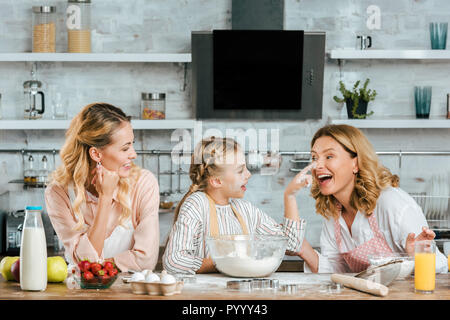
column 363, row 42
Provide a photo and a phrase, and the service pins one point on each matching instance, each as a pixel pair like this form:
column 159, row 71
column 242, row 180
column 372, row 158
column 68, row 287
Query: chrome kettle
column 31, row 90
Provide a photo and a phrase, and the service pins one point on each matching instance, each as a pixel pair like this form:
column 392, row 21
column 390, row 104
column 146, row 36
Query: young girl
column 365, row 211
column 101, row 205
column 214, row 206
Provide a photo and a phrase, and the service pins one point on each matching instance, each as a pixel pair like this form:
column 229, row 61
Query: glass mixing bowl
column 407, row 265
column 95, row 283
column 248, row 256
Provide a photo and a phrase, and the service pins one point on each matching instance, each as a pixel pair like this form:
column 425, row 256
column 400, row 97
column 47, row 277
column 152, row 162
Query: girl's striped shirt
column 186, row 247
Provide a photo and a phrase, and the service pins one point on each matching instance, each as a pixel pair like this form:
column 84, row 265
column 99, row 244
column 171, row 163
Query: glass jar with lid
column 78, row 23
column 44, row 28
column 30, row 174
column 153, row 106
column 43, row 172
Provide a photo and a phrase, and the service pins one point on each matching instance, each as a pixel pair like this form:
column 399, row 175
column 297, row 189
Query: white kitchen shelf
column 163, row 124
column 97, row 57
column 396, row 123
column 64, row 124
column 350, row 54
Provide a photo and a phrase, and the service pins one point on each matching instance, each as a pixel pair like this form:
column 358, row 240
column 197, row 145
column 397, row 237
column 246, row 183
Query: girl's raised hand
column 301, row 180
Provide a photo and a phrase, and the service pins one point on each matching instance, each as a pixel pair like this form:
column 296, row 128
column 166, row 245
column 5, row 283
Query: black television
column 257, row 74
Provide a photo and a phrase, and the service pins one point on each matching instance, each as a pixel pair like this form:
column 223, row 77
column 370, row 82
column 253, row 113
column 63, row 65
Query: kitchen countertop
column 213, row 287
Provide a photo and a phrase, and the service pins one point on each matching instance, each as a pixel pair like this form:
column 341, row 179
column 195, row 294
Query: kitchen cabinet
column 392, row 122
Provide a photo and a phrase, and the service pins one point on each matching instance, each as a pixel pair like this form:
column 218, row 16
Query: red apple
column 15, row 270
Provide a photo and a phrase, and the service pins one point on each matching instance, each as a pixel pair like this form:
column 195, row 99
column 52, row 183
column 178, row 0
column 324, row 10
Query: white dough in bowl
column 244, row 266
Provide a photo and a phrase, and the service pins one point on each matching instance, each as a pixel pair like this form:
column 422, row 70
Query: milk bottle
column 33, row 252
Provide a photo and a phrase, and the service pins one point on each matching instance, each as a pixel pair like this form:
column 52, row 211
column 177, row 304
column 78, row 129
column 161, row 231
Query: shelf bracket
column 183, row 88
column 341, row 63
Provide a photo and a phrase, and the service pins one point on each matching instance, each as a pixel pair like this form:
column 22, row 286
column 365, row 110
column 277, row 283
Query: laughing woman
column 100, row 204
column 365, row 212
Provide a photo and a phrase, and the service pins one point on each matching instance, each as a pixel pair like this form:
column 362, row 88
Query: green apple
column 5, row 267
column 56, row 269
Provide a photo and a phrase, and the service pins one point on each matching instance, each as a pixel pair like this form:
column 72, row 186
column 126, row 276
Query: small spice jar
column 29, row 174
column 153, row 106
column 78, row 23
column 44, row 28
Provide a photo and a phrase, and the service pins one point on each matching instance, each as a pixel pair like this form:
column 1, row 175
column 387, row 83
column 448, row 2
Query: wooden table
column 213, row 287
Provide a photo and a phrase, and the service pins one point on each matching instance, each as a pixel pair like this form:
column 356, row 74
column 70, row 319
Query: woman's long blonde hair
column 93, row 126
column 206, row 162
column 370, row 180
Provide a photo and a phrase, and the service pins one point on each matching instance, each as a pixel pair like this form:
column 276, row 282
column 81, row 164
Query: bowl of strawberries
column 95, row 275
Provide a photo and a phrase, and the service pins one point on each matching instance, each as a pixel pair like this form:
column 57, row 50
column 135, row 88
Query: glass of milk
column 33, row 252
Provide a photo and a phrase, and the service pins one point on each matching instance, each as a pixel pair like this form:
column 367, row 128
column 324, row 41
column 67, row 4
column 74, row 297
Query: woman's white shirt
column 397, row 215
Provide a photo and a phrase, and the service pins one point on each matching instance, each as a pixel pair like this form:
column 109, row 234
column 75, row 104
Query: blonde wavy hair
column 206, row 162
column 370, row 180
column 93, row 126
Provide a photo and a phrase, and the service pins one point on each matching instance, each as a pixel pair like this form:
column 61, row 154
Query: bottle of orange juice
column 425, row 266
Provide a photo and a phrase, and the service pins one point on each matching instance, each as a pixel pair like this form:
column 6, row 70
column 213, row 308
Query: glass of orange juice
column 425, row 266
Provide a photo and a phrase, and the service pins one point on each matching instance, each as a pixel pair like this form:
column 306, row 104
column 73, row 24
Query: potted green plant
column 356, row 100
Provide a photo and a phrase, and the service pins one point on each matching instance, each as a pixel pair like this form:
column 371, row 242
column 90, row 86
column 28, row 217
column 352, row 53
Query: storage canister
column 44, row 28
column 153, row 106
column 78, row 23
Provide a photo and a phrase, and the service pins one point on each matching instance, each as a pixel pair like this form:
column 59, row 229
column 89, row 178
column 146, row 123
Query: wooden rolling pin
column 361, row 284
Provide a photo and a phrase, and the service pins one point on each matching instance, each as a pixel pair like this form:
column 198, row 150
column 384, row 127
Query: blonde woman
column 101, row 205
column 214, row 206
column 365, row 212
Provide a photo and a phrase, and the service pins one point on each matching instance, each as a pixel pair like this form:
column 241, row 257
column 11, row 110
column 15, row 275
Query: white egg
column 152, row 277
column 146, row 272
column 167, row 278
column 137, row 277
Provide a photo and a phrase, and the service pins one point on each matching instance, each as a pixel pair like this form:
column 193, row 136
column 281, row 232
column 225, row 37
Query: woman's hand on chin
column 105, row 181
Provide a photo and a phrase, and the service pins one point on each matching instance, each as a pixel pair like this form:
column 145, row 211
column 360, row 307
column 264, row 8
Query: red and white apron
column 357, row 259
column 213, row 220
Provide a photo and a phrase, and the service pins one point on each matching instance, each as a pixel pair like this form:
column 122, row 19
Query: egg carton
column 155, row 285
column 156, row 288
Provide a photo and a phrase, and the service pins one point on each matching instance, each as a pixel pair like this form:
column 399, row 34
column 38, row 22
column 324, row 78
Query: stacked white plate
column 438, row 191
